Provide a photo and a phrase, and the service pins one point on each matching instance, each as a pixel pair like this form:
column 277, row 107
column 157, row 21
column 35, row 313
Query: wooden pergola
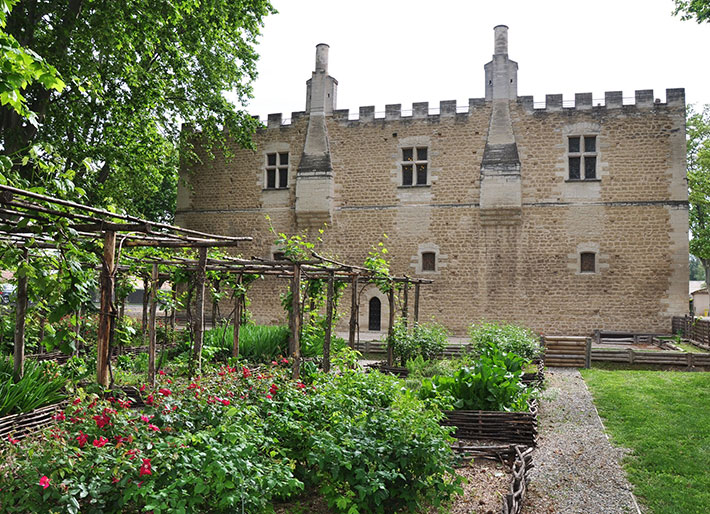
column 25, row 221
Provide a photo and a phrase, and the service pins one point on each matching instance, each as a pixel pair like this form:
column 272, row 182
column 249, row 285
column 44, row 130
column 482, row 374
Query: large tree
column 135, row 70
column 698, row 152
column 693, row 9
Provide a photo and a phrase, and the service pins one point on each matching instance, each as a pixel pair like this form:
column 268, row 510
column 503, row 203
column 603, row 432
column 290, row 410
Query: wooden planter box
column 517, row 457
column 505, row 427
column 21, row 425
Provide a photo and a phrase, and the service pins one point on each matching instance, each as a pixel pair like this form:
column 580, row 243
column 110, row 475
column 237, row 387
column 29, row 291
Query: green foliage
column 378, row 264
column 257, row 343
column 692, row 9
column 132, row 80
column 493, row 382
column 698, row 157
column 695, row 268
column 507, row 337
column 669, row 472
column 426, row 340
column 236, row 441
column 40, row 385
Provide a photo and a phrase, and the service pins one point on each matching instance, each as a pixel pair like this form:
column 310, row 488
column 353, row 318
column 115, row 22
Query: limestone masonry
column 563, row 218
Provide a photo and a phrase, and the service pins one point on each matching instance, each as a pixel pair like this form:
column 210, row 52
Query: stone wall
column 634, row 218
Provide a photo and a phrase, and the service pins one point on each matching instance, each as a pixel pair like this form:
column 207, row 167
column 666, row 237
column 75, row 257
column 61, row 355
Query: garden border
column 23, row 424
column 506, row 427
column 517, row 457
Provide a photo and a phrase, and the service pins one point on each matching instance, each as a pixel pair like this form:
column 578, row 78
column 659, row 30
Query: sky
column 404, row 51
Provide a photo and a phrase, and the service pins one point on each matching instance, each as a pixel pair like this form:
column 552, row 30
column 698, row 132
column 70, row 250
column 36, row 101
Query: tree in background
column 135, row 70
column 698, row 155
column 693, row 9
column 695, row 268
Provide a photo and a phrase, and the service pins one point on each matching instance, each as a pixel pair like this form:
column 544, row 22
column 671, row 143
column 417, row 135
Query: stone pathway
column 576, row 469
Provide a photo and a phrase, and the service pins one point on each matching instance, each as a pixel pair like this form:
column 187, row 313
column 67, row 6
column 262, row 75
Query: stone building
column 565, row 218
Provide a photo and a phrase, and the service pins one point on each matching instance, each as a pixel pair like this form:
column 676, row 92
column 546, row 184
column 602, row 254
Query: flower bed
column 236, row 440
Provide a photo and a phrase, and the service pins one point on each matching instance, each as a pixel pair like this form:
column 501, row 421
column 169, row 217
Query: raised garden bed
column 513, row 461
column 21, row 425
column 506, row 427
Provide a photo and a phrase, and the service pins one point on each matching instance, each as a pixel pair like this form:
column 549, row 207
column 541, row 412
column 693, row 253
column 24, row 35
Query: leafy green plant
column 257, row 343
column 40, row 385
column 426, row 340
column 493, row 382
column 507, row 337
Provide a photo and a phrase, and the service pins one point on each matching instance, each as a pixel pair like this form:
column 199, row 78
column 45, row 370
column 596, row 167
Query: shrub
column 493, row 382
column 427, row 340
column 507, row 337
column 257, row 343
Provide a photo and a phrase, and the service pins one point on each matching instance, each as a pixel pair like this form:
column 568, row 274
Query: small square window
column 415, row 172
column 279, row 256
column 277, row 170
column 587, row 262
column 590, row 143
column 574, row 145
column 428, row 261
column 590, row 167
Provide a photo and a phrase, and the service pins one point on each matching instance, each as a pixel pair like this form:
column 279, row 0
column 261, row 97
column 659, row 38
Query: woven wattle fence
column 517, row 457
column 506, row 427
column 20, row 426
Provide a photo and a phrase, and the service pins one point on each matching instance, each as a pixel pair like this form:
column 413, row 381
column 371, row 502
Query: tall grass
column 259, row 343
column 41, row 385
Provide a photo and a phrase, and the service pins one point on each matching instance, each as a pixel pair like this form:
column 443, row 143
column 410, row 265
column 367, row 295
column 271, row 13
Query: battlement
column 642, row 99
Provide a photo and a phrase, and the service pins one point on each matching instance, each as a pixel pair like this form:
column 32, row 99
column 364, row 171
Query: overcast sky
column 404, row 51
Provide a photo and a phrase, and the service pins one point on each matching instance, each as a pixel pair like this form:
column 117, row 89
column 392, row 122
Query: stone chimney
column 314, row 178
column 501, row 72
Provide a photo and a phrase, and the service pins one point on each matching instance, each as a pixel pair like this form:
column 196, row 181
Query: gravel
column 576, row 469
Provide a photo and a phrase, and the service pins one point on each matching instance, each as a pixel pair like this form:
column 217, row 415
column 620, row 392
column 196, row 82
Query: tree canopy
column 693, row 9
column 698, row 155
column 134, row 70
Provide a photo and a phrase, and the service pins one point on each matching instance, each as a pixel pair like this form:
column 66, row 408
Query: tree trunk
column 196, row 363
column 20, row 314
column 151, row 325
column 106, row 309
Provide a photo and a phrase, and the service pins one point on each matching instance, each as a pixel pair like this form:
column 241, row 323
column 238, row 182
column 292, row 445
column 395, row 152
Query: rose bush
column 237, row 440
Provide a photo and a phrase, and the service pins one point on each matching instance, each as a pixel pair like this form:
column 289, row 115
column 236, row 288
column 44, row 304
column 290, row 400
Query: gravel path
column 576, row 468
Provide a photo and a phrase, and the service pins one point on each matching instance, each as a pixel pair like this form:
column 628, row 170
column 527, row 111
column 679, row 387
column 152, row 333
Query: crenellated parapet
column 642, row 99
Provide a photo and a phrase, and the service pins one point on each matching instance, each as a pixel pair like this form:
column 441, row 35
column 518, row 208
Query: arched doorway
column 374, row 314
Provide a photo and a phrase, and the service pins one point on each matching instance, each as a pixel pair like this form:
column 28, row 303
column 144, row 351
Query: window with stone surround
column 428, row 261
column 587, row 262
column 415, row 162
column 277, row 170
column 582, row 157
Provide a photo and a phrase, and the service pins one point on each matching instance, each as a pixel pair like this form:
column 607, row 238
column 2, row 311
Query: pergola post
column 199, row 320
column 20, row 314
column 106, row 313
column 353, row 311
column 416, row 302
column 237, row 316
column 390, row 328
column 328, row 323
column 296, row 320
column 151, row 324
column 405, row 303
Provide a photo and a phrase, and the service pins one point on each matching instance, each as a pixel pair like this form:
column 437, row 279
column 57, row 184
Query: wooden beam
column 416, row 302
column 237, row 316
column 171, row 243
column 20, row 314
column 151, row 324
column 328, row 324
column 353, row 311
column 296, row 320
column 106, row 309
column 199, row 321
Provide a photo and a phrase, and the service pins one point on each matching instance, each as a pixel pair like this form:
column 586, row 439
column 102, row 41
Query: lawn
column 664, row 418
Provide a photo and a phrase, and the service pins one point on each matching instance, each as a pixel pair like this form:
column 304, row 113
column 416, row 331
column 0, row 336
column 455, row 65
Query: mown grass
column 664, row 418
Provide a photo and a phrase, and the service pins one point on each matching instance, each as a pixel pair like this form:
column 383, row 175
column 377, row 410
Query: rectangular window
column 277, row 170
column 582, row 157
column 415, row 166
column 428, row 261
column 587, row 262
